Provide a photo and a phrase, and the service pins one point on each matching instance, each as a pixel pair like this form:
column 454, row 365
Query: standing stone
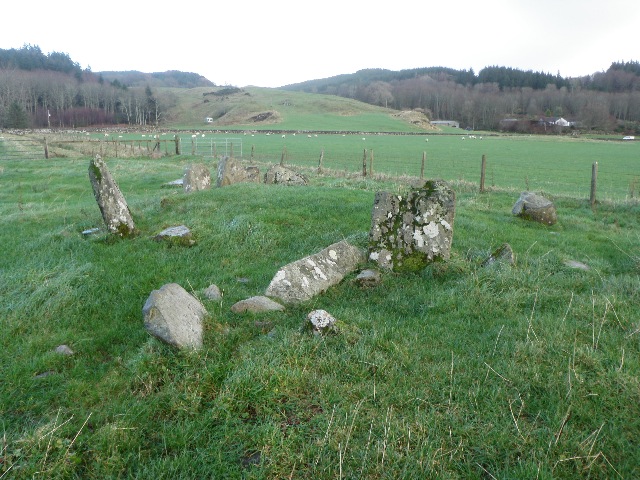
column 114, row 209
column 531, row 206
column 230, row 171
column 303, row 279
column 278, row 174
column 196, row 177
column 174, row 316
column 409, row 233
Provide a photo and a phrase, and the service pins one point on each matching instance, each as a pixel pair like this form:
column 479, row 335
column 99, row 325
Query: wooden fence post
column 231, row 150
column 252, row 149
column 424, row 160
column 284, row 154
column 371, row 164
column 320, row 161
column 483, row 170
column 115, row 142
column 193, row 145
column 46, row 148
column 177, row 140
column 594, row 183
column 364, row 163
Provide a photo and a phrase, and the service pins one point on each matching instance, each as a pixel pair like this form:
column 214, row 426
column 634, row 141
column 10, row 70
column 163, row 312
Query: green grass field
column 456, row 372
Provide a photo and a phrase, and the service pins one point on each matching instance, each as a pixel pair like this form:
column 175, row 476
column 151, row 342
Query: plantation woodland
column 50, row 90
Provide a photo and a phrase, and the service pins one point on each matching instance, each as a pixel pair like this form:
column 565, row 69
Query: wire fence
column 617, row 179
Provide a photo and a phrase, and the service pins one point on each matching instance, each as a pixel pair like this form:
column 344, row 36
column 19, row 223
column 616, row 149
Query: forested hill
column 171, row 78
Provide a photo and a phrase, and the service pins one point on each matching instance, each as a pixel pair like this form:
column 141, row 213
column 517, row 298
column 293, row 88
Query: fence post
column 320, row 161
column 116, row 145
column 483, row 170
column 284, row 153
column 594, row 183
column 424, row 159
column 193, row 145
column 231, row 150
column 252, row 149
column 177, row 140
column 364, row 163
column 371, row 164
column 46, row 148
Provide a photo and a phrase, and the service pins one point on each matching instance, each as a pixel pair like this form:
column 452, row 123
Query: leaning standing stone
column 174, row 316
column 531, row 206
column 409, row 233
column 303, row 279
column 196, row 177
column 114, row 209
column 280, row 175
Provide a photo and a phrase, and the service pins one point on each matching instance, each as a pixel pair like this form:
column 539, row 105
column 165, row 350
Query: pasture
column 456, row 372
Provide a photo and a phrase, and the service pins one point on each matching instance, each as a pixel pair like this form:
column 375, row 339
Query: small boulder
column 174, row 316
column 537, row 208
column 503, row 255
column 213, row 293
column 322, row 322
column 278, row 174
column 256, row 305
column 231, row 171
column 368, row 278
column 64, row 350
column 576, row 265
column 180, row 235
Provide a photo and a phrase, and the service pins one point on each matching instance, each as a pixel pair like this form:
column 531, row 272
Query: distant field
column 557, row 165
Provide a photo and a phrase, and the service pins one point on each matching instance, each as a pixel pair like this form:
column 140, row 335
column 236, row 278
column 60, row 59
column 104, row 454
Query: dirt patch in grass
column 415, row 117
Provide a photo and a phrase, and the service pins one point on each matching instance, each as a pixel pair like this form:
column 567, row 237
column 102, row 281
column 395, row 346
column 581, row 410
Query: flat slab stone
column 303, row 279
column 255, row 305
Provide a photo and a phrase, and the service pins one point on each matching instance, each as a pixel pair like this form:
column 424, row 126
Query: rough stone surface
column 114, row 209
column 369, row 278
column 255, row 305
column 213, row 293
column 321, row 322
column 531, row 206
column 179, row 235
column 174, row 316
column 231, row 171
column 303, row 279
column 576, row 265
column 503, row 255
column 408, row 233
column 278, row 174
column 179, row 183
column 64, row 350
column 196, row 177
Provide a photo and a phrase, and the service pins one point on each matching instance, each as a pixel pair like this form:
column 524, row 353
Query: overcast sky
column 270, row 43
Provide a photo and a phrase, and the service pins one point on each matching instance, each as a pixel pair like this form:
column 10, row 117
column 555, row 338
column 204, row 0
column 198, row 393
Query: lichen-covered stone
column 280, row 175
column 196, row 177
column 303, row 279
column 256, row 304
column 180, row 235
column 113, row 207
column 502, row 255
column 322, row 322
column 537, row 208
column 231, row 171
column 408, row 233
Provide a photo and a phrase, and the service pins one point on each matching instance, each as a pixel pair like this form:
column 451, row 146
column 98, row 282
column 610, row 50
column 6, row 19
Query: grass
column 455, row 372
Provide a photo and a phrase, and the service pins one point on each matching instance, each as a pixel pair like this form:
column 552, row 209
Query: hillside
column 171, row 78
column 266, row 108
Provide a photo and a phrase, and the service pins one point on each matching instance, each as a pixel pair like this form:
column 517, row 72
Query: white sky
column 271, row 43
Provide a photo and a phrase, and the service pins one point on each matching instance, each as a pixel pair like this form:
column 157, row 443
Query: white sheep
column 283, row 135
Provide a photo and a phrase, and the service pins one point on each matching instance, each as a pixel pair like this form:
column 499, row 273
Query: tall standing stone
column 114, row 209
column 409, row 233
column 196, row 177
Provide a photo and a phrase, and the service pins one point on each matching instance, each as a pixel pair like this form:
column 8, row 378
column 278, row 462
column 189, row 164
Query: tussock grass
column 456, row 372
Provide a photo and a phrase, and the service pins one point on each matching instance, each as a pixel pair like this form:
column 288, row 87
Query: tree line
column 38, row 90
column 499, row 98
